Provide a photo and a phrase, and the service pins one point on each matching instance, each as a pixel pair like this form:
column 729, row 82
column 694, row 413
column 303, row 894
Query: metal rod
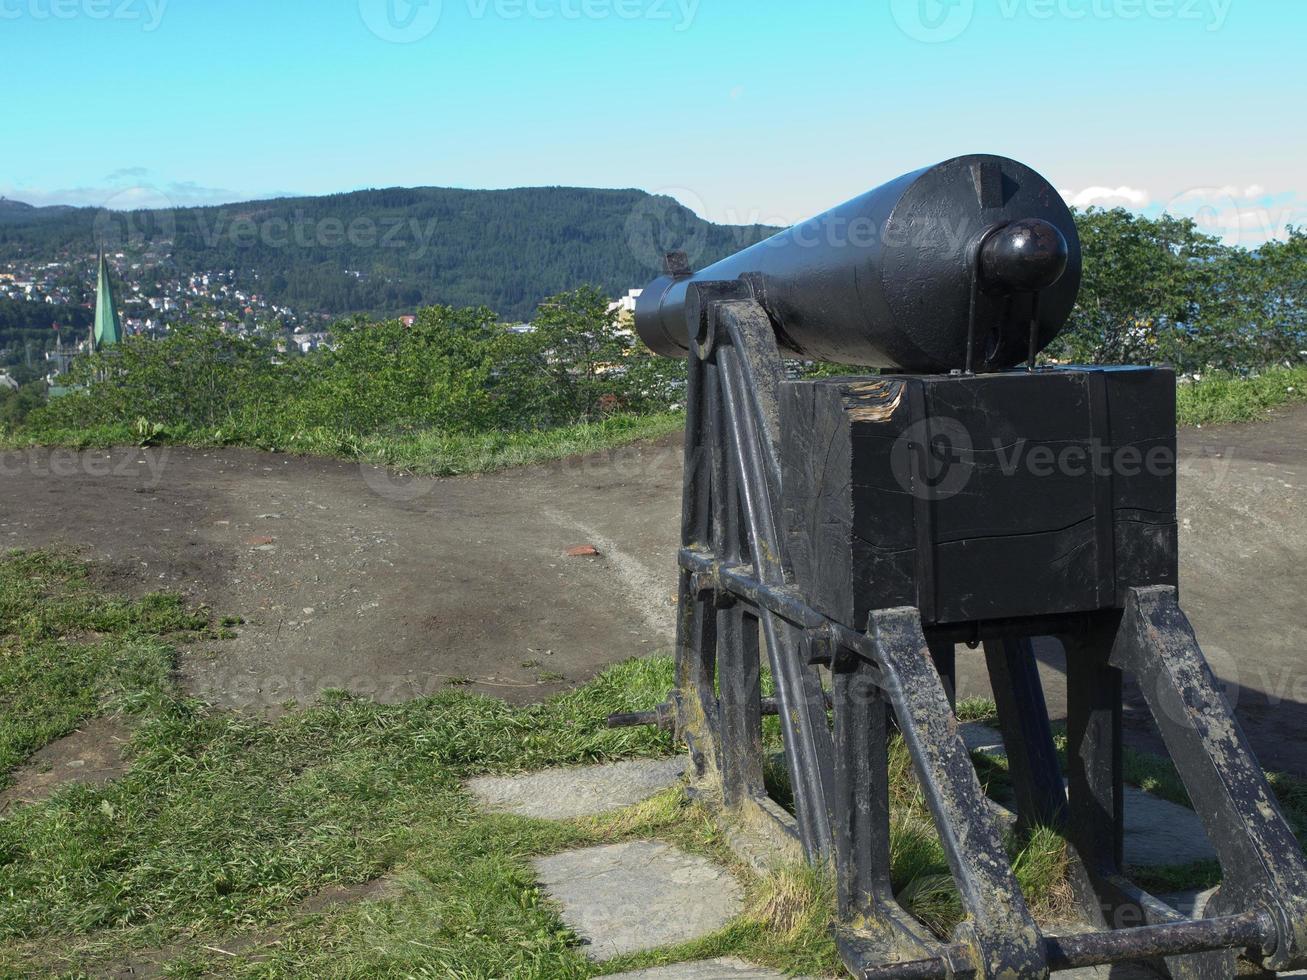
column 781, row 600
column 659, row 715
column 1249, row 929
column 1034, row 333
column 801, row 751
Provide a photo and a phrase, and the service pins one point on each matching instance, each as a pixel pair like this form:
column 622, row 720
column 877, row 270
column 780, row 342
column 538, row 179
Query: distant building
column 627, row 303
column 312, row 341
column 106, row 332
column 108, row 329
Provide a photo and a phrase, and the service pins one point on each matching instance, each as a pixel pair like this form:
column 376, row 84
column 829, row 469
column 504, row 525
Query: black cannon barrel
column 887, row 279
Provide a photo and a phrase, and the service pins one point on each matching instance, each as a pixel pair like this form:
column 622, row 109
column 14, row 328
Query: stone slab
column 728, row 968
column 1157, row 831
column 626, row 898
column 1191, row 903
column 561, row 794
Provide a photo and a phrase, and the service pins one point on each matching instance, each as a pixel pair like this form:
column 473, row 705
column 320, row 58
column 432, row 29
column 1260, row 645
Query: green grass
column 223, row 824
column 201, row 855
column 1153, row 774
column 54, row 674
column 1213, row 400
column 425, row 453
column 1218, row 399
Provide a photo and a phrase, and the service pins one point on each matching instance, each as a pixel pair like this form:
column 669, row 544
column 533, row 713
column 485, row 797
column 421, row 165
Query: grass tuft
column 204, row 857
column 423, row 452
column 1218, row 399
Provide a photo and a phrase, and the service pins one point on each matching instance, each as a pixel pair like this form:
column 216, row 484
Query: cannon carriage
column 855, row 530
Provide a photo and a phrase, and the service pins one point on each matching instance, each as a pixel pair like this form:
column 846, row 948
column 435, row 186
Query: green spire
column 107, row 328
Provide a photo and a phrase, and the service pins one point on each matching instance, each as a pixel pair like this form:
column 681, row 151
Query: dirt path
column 351, row 578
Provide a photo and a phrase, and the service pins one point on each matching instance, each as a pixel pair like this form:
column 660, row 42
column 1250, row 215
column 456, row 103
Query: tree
column 1157, row 290
column 585, row 351
column 1142, row 279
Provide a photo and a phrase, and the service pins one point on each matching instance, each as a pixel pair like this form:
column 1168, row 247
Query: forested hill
column 397, row 249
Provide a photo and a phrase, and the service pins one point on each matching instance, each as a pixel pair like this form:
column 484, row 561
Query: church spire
column 108, row 330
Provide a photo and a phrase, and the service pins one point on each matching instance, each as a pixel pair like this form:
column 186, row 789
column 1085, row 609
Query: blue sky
column 767, row 110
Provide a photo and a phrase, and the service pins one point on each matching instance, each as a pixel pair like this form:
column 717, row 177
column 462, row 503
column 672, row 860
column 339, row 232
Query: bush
column 1160, row 291
column 456, row 371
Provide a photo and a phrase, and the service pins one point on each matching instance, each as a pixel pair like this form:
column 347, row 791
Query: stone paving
column 632, row 897
column 561, row 794
column 625, row 898
column 1157, row 831
column 723, row 969
column 644, row 895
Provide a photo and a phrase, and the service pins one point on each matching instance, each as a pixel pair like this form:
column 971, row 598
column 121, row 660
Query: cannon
column 856, row 530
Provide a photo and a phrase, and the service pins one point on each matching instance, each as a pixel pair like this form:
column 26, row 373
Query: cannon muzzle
column 974, row 261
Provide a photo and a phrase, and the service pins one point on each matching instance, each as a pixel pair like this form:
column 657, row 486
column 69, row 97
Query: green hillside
column 397, row 249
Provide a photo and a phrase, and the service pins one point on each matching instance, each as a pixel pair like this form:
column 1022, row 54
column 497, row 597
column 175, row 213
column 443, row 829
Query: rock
column 560, row 794
column 1157, row 831
column 625, row 898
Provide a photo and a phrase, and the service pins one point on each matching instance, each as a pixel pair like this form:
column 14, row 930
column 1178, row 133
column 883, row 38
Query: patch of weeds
column 1218, row 399
column 69, row 653
column 224, row 824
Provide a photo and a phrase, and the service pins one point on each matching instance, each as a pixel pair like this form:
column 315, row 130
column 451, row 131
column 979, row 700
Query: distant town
column 151, row 303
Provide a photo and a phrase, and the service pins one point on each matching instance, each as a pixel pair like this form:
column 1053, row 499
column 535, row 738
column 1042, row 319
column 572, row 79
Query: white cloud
column 1107, row 197
column 1239, row 214
column 127, row 189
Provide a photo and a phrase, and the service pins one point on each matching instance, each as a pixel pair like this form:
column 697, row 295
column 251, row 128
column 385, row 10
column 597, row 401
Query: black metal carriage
column 865, row 526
